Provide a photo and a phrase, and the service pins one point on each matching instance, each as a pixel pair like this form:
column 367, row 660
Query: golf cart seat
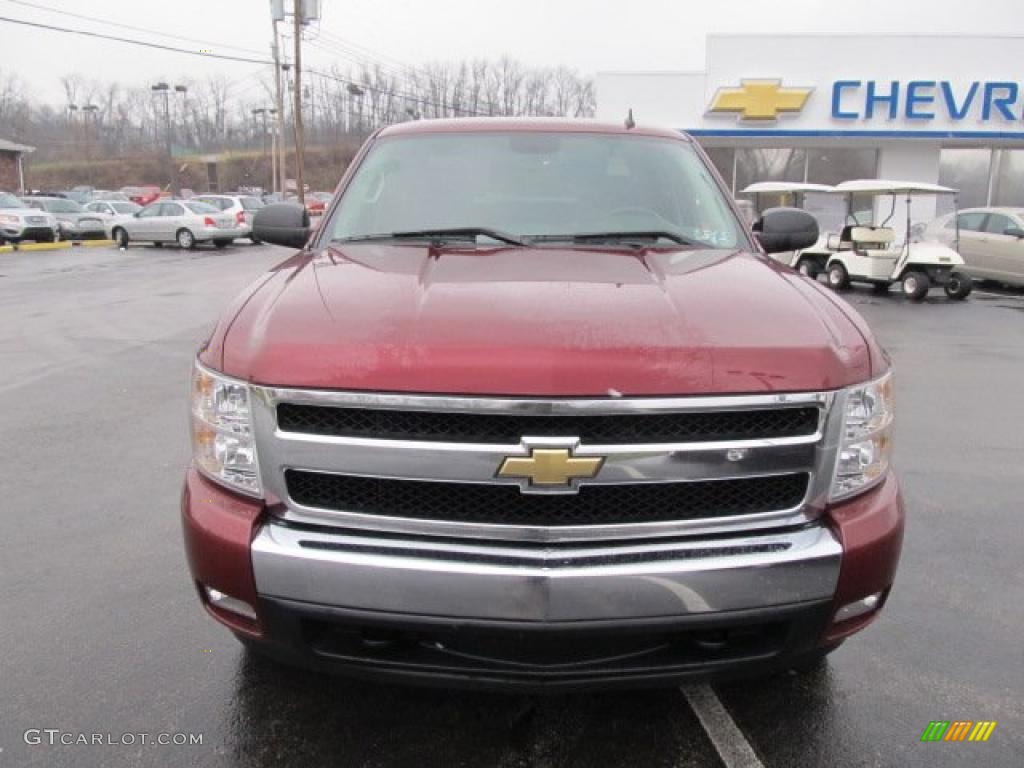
column 862, row 238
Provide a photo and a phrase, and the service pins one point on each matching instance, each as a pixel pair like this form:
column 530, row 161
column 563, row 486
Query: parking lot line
column 732, row 746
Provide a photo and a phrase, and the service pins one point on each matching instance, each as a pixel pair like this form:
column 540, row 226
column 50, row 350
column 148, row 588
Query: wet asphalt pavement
column 100, row 630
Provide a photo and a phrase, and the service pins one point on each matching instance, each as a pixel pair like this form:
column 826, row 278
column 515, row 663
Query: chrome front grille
column 428, row 465
column 510, row 428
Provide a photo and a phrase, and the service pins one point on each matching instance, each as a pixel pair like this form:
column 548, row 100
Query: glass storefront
column 1007, row 188
column 967, row 170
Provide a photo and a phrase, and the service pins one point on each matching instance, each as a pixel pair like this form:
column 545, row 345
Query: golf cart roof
column 770, row 187
column 884, row 187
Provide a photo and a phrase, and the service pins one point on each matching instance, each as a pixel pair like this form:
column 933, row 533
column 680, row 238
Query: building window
column 769, row 164
column 723, row 158
column 1008, row 170
column 967, row 170
column 831, row 166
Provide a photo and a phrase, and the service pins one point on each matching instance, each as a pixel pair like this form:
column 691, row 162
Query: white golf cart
column 810, row 261
column 869, row 253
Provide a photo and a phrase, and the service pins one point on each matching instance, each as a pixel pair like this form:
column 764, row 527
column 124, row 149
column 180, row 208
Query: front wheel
column 916, row 285
column 838, row 277
column 959, row 286
column 185, row 239
column 807, row 268
column 120, row 236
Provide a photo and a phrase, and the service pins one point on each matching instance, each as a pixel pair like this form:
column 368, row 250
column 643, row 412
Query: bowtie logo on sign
column 759, row 100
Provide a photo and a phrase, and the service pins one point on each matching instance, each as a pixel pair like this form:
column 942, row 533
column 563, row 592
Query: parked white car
column 20, row 222
column 113, row 212
column 991, row 241
column 242, row 207
column 185, row 222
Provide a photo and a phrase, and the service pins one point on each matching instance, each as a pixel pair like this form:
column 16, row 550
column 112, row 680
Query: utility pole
column 262, row 112
column 279, row 162
column 300, row 142
column 163, row 89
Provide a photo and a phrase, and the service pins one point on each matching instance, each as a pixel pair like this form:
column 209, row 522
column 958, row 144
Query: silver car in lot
column 113, row 212
column 242, row 207
column 991, row 242
column 73, row 221
column 185, row 222
column 19, row 222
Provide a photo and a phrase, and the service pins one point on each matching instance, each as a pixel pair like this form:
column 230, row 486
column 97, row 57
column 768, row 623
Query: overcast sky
column 589, row 35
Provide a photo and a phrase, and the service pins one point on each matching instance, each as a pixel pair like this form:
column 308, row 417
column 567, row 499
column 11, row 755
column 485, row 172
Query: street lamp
column 355, row 92
column 263, row 112
column 163, row 89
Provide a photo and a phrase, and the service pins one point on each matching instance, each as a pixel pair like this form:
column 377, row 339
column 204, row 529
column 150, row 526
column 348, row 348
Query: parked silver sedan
column 242, row 207
column 113, row 212
column 185, row 222
column 991, row 242
column 74, row 222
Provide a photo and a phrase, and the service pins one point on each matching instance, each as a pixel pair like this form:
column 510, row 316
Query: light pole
column 263, row 112
column 355, row 92
column 163, row 89
column 89, row 111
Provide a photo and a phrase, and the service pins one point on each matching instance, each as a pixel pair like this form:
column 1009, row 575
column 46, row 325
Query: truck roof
column 526, row 124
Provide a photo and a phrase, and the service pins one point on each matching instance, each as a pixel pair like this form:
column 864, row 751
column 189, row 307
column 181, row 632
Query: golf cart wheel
column 120, row 236
column 838, row 277
column 221, row 244
column 916, row 285
column 185, row 239
column 959, row 286
column 807, row 268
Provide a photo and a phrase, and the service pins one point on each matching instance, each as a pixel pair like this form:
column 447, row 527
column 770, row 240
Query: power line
column 142, row 43
column 129, row 26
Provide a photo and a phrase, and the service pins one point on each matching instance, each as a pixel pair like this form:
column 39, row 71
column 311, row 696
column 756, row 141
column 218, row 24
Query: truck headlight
column 223, row 444
column 865, row 447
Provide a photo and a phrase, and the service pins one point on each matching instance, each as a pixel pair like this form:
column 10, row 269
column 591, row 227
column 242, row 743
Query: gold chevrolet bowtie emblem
column 760, row 99
column 550, row 466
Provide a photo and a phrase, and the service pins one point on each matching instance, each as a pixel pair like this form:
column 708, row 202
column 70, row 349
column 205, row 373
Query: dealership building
column 824, row 109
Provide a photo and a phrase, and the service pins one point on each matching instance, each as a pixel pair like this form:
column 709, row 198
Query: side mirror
column 284, row 224
column 1014, row 232
column 786, row 229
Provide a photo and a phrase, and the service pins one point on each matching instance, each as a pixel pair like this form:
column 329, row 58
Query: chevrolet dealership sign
column 986, row 102
column 763, row 99
column 939, row 88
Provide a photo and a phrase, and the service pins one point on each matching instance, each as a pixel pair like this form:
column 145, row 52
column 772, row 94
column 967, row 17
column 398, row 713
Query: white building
column 947, row 110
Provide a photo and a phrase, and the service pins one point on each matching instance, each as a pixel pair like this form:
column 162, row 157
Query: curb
column 60, row 246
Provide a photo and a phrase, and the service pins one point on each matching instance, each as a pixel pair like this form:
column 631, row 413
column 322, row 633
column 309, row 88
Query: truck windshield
column 539, row 185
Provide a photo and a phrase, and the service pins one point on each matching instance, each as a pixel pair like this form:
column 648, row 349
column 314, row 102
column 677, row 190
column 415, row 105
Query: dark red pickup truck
column 532, row 408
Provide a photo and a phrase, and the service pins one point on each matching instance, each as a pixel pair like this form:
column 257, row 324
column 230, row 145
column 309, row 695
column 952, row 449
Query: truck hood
column 540, row 321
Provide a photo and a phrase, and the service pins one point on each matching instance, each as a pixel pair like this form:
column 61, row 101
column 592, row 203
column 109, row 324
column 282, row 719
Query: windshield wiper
column 592, row 237
column 438, row 235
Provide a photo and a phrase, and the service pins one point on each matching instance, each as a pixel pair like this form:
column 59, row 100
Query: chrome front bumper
column 497, row 581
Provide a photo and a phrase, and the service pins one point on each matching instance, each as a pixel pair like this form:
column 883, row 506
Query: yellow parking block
column 95, row 243
column 6, row 249
column 44, row 246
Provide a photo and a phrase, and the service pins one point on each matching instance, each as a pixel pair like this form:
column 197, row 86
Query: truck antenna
column 630, row 122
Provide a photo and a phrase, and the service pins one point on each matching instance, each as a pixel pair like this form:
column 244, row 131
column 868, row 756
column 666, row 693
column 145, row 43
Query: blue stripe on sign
column 765, row 133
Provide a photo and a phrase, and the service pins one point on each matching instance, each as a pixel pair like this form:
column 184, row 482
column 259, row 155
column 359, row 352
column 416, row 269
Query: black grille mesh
column 508, row 429
column 506, row 505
